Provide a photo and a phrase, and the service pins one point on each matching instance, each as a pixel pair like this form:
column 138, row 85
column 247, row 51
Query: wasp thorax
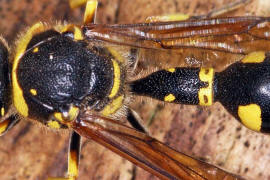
column 56, row 74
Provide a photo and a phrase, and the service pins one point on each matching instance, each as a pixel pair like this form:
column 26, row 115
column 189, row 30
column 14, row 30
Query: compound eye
column 5, row 87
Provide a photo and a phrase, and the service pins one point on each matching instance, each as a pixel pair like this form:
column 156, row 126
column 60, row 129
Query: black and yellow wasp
column 71, row 76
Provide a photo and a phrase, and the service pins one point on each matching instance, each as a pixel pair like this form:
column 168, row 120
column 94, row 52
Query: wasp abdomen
column 177, row 85
column 244, row 90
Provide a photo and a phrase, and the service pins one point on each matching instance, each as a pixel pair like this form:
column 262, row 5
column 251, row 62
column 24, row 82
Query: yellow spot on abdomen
column 116, row 80
column 33, row 92
column 169, row 98
column 113, row 106
column 254, row 57
column 205, row 94
column 250, row 116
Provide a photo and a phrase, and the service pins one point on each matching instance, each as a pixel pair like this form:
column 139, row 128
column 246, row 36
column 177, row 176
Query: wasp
column 30, row 48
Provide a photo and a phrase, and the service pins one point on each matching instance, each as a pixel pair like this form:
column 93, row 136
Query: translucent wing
column 223, row 34
column 145, row 151
column 205, row 40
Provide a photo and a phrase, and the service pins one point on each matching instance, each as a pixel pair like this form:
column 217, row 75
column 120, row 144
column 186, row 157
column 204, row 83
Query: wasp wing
column 206, row 40
column 230, row 34
column 145, row 151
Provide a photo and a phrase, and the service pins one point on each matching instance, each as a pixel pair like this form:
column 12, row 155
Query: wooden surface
column 31, row 152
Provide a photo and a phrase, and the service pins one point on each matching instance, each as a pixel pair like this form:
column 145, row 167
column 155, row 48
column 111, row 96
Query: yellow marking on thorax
column 205, row 94
column 250, row 116
column 172, row 70
column 78, row 35
column 90, row 11
column 77, row 31
column 2, row 111
column 169, row 98
column 116, row 79
column 35, row 50
column 58, row 116
column 54, row 124
column 33, row 92
column 113, row 106
column 3, row 126
column 116, row 55
column 72, row 114
column 72, row 164
column 254, row 57
column 18, row 98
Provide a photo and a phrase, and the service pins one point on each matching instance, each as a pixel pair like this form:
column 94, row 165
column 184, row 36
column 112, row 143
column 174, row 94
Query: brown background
column 32, row 152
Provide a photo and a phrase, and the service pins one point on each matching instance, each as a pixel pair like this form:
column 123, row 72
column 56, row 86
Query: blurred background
column 30, row 152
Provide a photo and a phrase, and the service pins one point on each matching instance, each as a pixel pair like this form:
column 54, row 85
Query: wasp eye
column 4, row 78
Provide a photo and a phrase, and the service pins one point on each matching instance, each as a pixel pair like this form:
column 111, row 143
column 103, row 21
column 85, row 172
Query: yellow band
column 205, row 94
column 116, row 80
column 18, row 98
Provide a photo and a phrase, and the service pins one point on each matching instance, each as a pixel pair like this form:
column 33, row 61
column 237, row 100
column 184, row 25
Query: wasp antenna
column 90, row 10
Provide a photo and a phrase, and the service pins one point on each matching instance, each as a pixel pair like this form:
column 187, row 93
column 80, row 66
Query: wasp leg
column 73, row 157
column 214, row 13
column 76, row 3
column 90, row 9
column 135, row 120
column 7, row 124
